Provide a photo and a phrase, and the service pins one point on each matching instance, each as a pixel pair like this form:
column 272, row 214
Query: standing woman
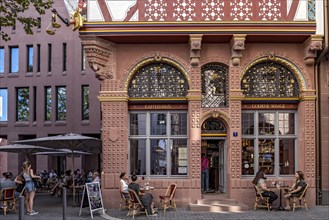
column 30, row 187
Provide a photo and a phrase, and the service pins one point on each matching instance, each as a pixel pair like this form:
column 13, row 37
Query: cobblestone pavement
column 51, row 208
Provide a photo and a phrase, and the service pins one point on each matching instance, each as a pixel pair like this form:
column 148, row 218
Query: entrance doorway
column 214, row 149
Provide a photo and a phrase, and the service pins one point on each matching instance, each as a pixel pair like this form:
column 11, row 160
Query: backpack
column 204, row 163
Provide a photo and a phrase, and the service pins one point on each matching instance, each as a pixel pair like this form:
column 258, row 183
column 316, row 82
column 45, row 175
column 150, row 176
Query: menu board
column 94, row 196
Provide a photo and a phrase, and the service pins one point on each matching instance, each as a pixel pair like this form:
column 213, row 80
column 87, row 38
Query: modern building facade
column 46, row 89
column 232, row 79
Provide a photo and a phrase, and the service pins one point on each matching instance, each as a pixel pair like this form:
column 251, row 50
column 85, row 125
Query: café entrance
column 213, row 145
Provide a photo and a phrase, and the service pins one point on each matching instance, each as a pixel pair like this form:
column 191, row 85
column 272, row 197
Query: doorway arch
column 213, row 144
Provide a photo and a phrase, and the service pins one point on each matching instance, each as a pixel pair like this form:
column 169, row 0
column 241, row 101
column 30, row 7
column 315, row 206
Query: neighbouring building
column 46, row 89
column 232, row 79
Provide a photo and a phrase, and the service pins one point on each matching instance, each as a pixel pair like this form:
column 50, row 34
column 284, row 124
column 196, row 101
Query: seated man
column 145, row 198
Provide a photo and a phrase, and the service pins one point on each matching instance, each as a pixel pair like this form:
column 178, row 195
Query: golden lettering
column 158, row 106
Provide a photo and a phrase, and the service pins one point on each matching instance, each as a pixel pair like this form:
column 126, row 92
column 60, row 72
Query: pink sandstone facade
column 115, row 51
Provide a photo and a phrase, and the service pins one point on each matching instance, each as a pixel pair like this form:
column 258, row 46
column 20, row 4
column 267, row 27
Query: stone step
column 218, row 204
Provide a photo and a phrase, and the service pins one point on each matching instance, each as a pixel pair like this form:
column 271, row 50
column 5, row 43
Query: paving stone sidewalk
column 51, row 208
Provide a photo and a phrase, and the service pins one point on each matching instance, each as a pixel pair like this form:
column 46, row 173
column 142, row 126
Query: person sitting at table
column 259, row 181
column 145, row 198
column 124, row 185
column 296, row 190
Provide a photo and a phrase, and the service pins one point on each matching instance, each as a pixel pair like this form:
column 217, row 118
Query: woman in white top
column 124, row 184
column 96, row 178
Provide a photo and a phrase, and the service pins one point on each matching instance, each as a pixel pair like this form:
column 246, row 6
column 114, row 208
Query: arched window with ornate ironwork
column 269, row 80
column 158, row 80
column 213, row 126
column 214, row 85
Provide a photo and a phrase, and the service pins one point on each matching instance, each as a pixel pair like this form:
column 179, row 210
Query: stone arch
column 216, row 113
column 303, row 81
column 151, row 57
column 215, row 59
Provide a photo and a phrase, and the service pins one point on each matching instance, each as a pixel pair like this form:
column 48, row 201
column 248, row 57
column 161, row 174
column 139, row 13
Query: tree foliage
column 12, row 11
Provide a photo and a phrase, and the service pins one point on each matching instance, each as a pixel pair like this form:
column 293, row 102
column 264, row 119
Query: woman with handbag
column 30, row 187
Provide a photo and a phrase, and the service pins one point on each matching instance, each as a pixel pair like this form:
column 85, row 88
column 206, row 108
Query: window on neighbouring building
column 48, row 103
column 214, row 85
column 29, row 58
column 83, row 58
column 22, row 104
column 85, row 102
column 38, row 58
column 158, row 143
column 61, row 103
column 269, row 142
column 2, row 60
column 34, row 103
column 14, row 60
column 49, row 57
column 64, row 57
column 39, row 22
column 3, row 104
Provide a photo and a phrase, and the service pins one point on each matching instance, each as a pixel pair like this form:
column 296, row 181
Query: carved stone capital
column 311, row 46
column 100, row 56
column 237, row 46
column 195, row 49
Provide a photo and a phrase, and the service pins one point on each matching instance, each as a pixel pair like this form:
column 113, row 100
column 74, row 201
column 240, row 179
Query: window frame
column 11, row 59
column 276, row 136
column 148, row 137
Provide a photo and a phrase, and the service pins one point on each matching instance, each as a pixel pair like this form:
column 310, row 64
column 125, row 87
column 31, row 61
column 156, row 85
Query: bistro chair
column 7, row 198
column 168, row 200
column 261, row 201
column 297, row 201
column 124, row 202
column 135, row 205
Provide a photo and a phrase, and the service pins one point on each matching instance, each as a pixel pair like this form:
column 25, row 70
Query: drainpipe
column 318, row 121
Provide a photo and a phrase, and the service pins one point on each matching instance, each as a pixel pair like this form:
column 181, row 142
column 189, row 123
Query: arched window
column 214, row 85
column 213, row 126
column 269, row 80
column 158, row 80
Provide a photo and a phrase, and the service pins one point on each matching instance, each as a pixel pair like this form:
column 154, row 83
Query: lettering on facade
column 157, row 107
column 269, row 106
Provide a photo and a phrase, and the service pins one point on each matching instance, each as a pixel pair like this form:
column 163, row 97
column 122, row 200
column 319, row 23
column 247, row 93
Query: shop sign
column 269, row 106
column 158, row 107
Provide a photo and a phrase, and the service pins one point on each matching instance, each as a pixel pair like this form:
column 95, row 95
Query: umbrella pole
column 73, row 178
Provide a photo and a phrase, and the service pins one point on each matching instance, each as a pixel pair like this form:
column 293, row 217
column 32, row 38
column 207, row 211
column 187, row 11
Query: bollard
column 21, row 207
column 64, row 203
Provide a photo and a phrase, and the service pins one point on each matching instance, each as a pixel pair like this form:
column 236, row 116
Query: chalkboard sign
column 94, row 195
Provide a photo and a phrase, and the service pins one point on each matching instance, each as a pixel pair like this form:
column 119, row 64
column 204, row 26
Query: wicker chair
column 7, row 198
column 297, row 201
column 169, row 197
column 124, row 202
column 135, row 205
column 261, row 201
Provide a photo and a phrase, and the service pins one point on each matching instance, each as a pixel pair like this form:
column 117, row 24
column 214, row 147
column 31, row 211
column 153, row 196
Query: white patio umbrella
column 72, row 142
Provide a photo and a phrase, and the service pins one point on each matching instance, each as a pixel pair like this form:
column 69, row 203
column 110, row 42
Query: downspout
column 318, row 112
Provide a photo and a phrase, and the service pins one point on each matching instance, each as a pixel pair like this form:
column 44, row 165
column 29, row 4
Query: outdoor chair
column 168, row 200
column 261, row 201
column 135, row 205
column 300, row 202
column 7, row 199
column 124, row 202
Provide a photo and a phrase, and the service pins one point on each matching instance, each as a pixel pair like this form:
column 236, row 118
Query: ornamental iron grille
column 268, row 80
column 158, row 80
column 214, row 85
column 213, row 126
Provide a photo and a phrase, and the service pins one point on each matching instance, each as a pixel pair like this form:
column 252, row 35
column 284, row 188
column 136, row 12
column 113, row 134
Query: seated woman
column 296, row 189
column 266, row 192
column 124, row 185
column 145, row 198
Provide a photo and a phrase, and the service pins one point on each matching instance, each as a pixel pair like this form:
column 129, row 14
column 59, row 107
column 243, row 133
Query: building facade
column 46, row 89
column 234, row 80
